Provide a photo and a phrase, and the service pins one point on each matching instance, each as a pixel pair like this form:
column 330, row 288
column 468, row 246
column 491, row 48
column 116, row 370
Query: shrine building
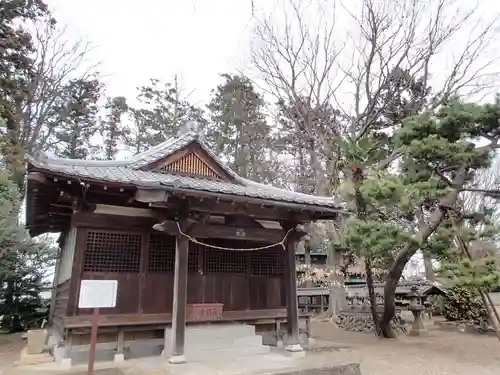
column 188, row 241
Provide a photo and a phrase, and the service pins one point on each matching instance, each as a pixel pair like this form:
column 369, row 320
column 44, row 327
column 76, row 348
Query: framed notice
column 97, row 294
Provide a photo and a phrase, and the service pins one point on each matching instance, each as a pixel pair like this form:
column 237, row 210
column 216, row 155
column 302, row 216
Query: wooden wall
column 143, row 263
column 60, row 301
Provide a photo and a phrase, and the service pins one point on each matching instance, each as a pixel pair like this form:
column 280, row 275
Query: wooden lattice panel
column 268, row 262
column 191, row 164
column 225, row 261
column 194, row 257
column 161, row 254
column 112, row 252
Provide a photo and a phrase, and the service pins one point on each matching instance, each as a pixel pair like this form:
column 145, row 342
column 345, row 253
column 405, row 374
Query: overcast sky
column 138, row 40
column 197, row 39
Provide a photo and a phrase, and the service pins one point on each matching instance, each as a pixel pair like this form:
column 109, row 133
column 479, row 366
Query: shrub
column 464, row 304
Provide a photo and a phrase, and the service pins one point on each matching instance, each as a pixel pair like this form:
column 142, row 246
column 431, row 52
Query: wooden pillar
column 180, row 300
column 292, row 311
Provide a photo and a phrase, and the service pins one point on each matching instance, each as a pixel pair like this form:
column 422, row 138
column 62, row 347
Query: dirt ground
column 10, row 348
column 437, row 353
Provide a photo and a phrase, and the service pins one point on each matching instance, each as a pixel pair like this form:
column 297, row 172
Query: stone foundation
column 363, row 322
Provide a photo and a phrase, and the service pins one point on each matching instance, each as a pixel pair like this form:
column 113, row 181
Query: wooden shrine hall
column 187, row 239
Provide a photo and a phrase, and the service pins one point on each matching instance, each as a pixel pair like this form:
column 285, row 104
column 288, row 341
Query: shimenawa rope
column 194, row 240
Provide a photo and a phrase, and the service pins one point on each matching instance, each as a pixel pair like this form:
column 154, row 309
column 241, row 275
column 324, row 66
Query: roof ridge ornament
column 188, row 127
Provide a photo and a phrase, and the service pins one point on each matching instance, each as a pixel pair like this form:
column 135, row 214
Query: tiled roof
column 129, row 172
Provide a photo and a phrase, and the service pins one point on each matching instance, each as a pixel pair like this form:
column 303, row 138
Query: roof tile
column 128, row 172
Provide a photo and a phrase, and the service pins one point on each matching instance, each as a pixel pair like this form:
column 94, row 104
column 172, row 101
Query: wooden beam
column 218, row 203
column 292, row 310
column 92, row 220
column 263, row 235
column 107, row 209
column 38, row 177
column 180, row 299
column 219, row 207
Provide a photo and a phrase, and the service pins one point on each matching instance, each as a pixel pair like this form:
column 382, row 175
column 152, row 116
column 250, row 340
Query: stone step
column 214, row 331
column 33, row 359
column 222, row 343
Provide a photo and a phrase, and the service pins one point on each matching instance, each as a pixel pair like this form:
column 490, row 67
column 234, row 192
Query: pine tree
column 238, row 128
column 399, row 212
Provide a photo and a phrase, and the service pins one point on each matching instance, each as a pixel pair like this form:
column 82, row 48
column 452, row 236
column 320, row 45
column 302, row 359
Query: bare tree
column 376, row 62
column 487, row 180
column 297, row 66
column 58, row 60
column 391, row 49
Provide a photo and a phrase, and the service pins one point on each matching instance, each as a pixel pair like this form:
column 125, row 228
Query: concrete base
column 105, row 352
column 270, row 363
column 177, row 359
column 294, row 348
column 36, row 340
column 65, row 363
column 223, row 340
column 27, row 359
column 272, row 339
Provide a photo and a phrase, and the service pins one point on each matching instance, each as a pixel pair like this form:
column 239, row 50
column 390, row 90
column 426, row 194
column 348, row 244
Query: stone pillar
column 338, row 301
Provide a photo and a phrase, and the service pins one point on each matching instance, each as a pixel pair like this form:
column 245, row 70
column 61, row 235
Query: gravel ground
column 438, row 352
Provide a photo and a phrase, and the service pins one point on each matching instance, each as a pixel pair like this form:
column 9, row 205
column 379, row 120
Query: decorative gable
column 191, row 164
column 191, row 160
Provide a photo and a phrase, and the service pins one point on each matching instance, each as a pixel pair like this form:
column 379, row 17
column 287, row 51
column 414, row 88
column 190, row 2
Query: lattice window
column 193, row 165
column 268, row 262
column 194, row 257
column 112, row 252
column 226, row 261
column 161, row 254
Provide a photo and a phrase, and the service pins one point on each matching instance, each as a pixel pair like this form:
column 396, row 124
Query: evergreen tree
column 16, row 75
column 238, row 129
column 161, row 110
column 309, row 135
column 400, row 212
column 78, row 112
column 111, row 128
column 23, row 262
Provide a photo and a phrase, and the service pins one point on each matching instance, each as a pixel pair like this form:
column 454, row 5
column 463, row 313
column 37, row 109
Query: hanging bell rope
column 194, row 240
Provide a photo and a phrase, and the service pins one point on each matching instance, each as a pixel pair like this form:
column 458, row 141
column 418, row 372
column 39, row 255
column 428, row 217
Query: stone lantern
column 417, row 308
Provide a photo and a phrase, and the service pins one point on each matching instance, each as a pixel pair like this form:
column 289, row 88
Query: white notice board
column 97, row 294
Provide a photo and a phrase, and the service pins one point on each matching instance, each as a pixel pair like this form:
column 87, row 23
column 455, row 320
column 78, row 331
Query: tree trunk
column 410, row 249
column 429, row 269
column 371, row 294
column 307, row 253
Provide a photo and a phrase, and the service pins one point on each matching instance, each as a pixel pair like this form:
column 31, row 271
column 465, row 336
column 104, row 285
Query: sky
column 195, row 39
column 139, row 40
